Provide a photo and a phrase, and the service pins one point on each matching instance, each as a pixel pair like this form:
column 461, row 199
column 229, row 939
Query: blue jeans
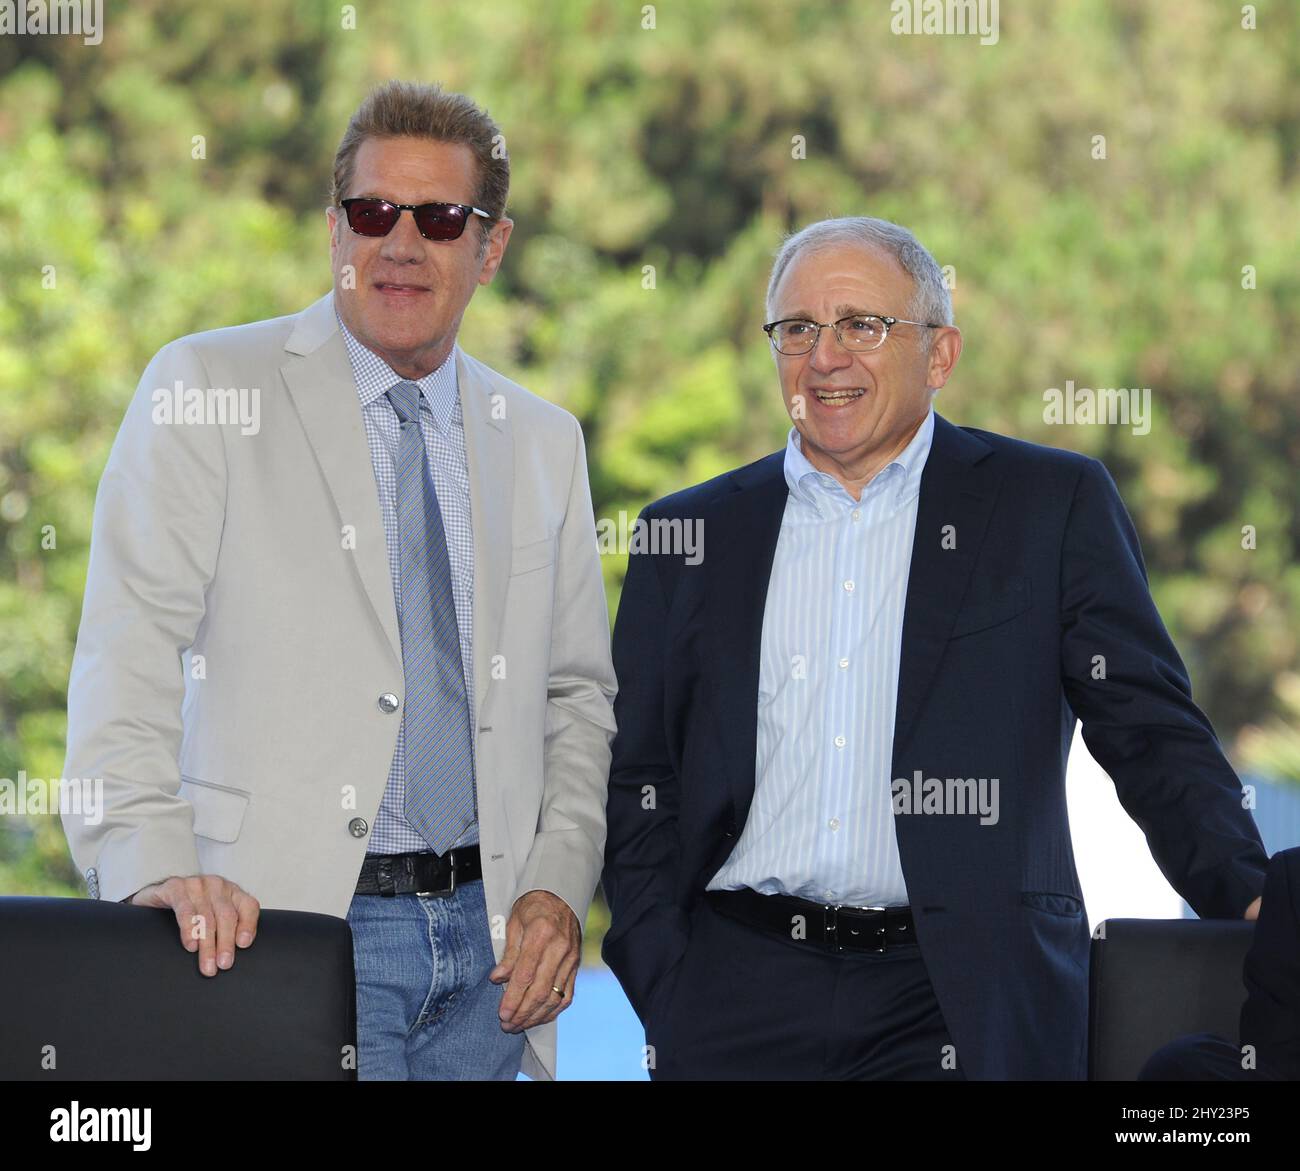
column 426, row 1010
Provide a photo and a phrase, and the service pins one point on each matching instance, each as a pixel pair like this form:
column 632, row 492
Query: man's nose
column 828, row 354
column 404, row 243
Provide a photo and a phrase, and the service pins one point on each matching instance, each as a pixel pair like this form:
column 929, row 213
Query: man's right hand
column 214, row 916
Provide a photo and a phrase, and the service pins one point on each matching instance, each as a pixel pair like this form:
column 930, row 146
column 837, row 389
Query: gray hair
column 931, row 301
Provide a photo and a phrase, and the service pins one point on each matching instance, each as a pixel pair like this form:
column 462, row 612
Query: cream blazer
column 239, row 629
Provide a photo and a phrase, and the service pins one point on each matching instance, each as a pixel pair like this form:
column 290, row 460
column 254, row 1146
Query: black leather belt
column 830, row 926
column 421, row 874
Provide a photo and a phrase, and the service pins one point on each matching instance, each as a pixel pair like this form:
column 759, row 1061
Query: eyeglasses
column 436, row 221
column 858, row 331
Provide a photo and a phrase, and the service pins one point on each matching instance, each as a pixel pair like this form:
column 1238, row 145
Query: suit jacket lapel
column 320, row 382
column 489, row 451
column 957, row 490
column 741, row 531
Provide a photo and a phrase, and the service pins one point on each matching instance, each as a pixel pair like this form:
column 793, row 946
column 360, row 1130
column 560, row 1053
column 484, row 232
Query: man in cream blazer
column 239, row 679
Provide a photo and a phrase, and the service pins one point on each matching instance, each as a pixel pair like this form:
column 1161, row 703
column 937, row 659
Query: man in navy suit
column 837, row 836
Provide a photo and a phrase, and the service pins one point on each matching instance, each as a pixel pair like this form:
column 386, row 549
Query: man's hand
column 543, row 950
column 214, row 915
column 1252, row 912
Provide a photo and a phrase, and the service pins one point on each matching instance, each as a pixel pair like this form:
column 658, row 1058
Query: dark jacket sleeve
column 1139, row 721
column 648, row 930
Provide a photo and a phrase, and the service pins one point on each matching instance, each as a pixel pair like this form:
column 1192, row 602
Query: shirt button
column 388, row 703
column 834, row 823
column 856, row 514
column 840, row 741
column 848, row 586
column 843, row 663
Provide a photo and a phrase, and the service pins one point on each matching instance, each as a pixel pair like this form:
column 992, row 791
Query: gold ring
column 557, row 991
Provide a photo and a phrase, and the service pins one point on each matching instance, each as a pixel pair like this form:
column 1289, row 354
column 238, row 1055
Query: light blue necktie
column 439, row 749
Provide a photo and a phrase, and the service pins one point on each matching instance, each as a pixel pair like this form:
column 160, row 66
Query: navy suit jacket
column 1000, row 634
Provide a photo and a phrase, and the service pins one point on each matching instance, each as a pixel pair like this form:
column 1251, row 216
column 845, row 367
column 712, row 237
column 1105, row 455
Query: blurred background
column 1112, row 187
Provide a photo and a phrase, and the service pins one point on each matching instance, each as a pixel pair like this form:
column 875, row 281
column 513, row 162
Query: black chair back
column 105, row 991
column 1155, row 979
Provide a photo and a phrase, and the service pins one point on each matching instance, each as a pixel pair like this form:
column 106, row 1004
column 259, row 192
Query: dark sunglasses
column 436, row 221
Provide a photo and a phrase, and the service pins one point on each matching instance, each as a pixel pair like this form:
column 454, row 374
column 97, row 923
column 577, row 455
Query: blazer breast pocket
column 218, row 810
column 992, row 607
column 533, row 555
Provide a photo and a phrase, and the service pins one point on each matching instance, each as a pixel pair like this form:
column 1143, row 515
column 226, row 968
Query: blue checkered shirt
column 443, row 428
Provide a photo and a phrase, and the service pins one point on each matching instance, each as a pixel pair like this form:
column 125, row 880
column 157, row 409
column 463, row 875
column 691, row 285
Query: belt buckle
column 832, row 933
column 441, row 894
column 384, row 877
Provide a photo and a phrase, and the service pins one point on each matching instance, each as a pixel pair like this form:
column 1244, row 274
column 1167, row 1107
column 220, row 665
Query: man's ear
column 944, row 352
column 332, row 219
column 500, row 234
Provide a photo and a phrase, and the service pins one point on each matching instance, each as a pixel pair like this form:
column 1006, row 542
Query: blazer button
column 388, row 703
column 357, row 827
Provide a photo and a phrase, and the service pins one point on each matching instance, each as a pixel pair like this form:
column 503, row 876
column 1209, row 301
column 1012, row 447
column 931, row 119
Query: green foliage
column 672, row 148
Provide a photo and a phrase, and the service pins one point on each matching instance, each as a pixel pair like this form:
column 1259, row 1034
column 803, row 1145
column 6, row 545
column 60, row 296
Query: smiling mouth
column 839, row 398
column 401, row 290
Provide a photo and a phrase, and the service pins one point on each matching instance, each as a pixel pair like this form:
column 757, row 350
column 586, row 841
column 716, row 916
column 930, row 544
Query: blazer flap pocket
column 992, row 607
column 218, row 811
column 1053, row 902
column 534, row 555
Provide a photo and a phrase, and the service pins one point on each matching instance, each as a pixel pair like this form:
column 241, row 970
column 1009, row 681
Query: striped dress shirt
column 821, row 825
column 443, row 428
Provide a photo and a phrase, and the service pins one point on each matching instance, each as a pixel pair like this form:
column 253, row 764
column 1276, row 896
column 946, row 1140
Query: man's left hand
column 1252, row 912
column 543, row 950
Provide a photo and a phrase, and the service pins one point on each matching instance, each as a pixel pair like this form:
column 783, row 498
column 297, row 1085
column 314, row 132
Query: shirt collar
column 814, row 487
column 375, row 378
